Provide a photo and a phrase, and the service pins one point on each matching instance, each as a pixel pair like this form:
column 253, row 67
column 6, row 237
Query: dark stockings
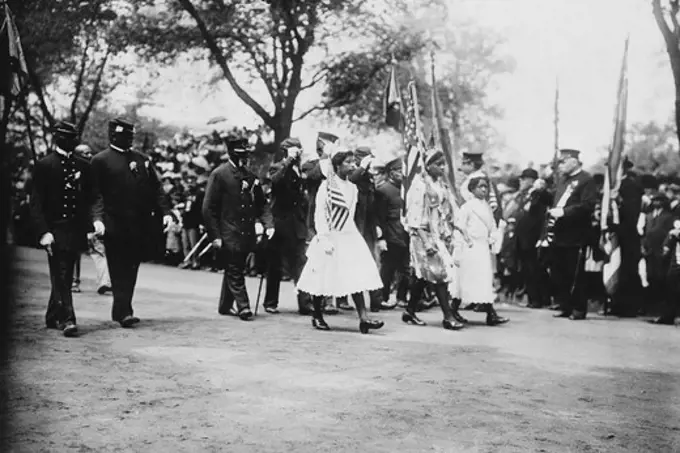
column 441, row 290
column 358, row 299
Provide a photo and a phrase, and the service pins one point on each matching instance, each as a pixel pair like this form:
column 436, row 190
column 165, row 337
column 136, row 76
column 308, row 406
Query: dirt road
column 189, row 380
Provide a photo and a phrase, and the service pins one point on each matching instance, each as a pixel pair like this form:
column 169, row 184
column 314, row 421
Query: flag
column 413, row 142
column 612, row 183
column 556, row 154
column 11, row 55
column 337, row 210
column 442, row 138
column 392, row 105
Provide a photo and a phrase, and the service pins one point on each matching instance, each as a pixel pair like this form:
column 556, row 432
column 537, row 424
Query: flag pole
column 556, row 151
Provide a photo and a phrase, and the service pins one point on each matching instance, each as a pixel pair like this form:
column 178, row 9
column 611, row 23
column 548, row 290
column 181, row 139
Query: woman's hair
column 339, row 158
column 474, row 182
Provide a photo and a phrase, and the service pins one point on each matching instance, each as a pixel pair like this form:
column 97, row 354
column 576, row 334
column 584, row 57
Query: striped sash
column 337, row 210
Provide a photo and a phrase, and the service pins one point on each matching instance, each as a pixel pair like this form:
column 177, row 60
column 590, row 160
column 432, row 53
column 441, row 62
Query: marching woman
column 339, row 261
column 479, row 234
column 429, row 219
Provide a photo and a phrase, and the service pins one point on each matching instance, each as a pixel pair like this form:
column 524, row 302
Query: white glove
column 556, row 212
column 366, row 162
column 259, row 229
column 269, row 232
column 99, row 228
column 167, row 220
column 294, row 152
column 46, row 239
column 382, row 245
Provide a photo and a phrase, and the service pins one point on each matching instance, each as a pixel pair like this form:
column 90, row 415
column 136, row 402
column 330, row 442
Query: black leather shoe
column 458, row 317
column 320, row 324
column 127, row 321
column 365, row 326
column 245, row 314
column 411, row 318
column 452, row 325
column 70, row 330
column 103, row 290
column 577, row 316
column 662, row 321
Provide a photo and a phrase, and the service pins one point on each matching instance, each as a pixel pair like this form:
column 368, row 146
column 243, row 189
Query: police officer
column 60, row 207
column 233, row 201
column 289, row 210
column 128, row 210
column 572, row 210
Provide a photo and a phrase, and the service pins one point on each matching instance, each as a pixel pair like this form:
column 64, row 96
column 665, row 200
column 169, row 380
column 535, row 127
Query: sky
column 578, row 42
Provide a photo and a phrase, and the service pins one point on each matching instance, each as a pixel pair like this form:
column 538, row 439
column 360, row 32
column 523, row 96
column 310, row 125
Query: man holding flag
column 575, row 200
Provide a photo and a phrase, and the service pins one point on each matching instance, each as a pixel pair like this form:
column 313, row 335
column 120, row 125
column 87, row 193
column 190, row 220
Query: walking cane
column 259, row 293
column 205, row 250
column 198, row 244
column 259, row 289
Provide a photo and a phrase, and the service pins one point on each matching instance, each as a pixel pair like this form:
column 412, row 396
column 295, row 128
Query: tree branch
column 37, row 88
column 79, row 81
column 668, row 35
column 316, row 78
column 95, row 93
column 222, row 62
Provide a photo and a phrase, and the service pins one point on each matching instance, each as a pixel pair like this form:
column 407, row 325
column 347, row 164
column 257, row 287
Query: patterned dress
column 431, row 210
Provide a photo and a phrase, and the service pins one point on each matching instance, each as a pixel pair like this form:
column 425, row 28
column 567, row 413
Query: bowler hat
column 238, row 145
column 529, row 173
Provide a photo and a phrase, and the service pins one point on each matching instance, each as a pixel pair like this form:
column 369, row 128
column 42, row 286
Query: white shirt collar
column 120, row 150
column 575, row 172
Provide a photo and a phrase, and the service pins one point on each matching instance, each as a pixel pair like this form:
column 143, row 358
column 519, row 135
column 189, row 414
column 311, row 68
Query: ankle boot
column 455, row 306
column 492, row 318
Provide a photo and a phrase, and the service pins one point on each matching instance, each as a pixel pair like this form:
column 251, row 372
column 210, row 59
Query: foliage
column 653, row 148
column 663, row 13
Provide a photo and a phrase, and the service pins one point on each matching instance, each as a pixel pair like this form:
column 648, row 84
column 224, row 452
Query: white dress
column 350, row 268
column 476, row 269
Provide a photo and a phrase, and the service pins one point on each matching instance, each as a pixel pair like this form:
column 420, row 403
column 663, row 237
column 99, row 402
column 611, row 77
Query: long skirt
column 349, row 269
column 476, row 273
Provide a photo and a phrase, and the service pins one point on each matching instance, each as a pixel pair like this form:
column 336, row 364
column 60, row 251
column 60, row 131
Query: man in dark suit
column 658, row 223
column 130, row 212
column 234, row 200
column 529, row 218
column 394, row 243
column 60, row 207
column 628, row 294
column 574, row 203
column 289, row 210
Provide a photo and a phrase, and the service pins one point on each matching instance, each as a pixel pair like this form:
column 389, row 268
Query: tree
column 671, row 36
column 68, row 46
column 653, row 148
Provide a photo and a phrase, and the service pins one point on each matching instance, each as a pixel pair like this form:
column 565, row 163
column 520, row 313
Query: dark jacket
column 60, row 200
column 531, row 217
column 290, row 205
column 193, row 217
column 313, row 177
column 573, row 228
column 387, row 207
column 234, row 200
column 364, row 217
column 129, row 199
column 656, row 232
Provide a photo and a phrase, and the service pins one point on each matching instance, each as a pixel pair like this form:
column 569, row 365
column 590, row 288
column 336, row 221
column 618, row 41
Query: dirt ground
column 189, row 380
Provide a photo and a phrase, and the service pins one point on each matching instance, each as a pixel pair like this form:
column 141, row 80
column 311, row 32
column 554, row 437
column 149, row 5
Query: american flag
column 337, row 211
column 413, row 141
column 613, row 176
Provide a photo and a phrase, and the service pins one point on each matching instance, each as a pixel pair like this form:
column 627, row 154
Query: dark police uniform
column 233, row 201
column 130, row 202
column 289, row 210
column 577, row 194
column 60, row 205
column 396, row 259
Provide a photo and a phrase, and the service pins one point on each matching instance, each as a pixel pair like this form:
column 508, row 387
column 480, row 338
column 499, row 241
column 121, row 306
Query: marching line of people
column 338, row 224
